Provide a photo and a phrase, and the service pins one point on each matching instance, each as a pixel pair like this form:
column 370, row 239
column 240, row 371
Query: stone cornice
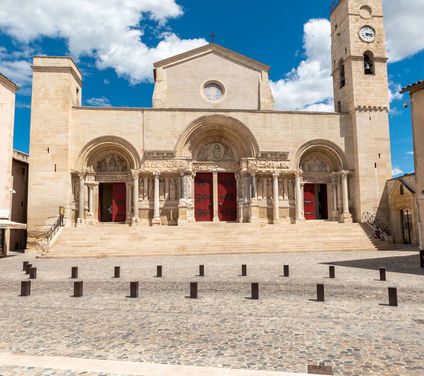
column 8, row 83
column 42, row 69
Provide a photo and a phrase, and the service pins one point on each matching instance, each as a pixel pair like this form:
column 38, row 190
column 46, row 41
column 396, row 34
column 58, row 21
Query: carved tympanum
column 315, row 165
column 215, row 152
column 112, row 163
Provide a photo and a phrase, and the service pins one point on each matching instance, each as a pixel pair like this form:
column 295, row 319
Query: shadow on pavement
column 409, row 264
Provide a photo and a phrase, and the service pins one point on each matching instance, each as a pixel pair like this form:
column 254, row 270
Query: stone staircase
column 115, row 240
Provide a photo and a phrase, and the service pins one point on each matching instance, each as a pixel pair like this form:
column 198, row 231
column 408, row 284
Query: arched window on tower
column 342, row 74
column 369, row 63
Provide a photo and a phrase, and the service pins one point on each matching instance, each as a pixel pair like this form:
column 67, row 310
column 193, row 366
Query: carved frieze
column 166, row 166
column 264, row 166
column 220, row 166
column 215, row 152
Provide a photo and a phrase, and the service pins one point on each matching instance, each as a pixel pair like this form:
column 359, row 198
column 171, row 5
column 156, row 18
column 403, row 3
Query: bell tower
column 361, row 90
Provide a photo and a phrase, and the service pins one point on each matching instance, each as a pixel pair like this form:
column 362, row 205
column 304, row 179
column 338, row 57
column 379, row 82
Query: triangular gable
column 218, row 50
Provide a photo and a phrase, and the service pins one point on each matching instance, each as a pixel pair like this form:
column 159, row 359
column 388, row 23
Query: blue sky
column 115, row 46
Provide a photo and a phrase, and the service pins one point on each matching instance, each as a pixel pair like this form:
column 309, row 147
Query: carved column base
column 240, row 212
column 335, row 216
column 80, row 222
column 300, row 220
column 346, row 218
column 156, row 221
column 182, row 215
column 277, row 221
column 254, row 213
column 135, row 222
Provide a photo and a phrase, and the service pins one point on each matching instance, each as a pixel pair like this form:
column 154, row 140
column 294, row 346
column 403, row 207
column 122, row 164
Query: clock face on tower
column 367, row 34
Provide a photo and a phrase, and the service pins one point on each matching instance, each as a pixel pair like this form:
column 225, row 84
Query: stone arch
column 125, row 154
column 325, row 156
column 220, row 129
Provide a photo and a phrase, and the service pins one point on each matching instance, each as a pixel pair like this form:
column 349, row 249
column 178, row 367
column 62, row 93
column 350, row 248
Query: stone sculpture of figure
column 112, row 163
column 315, row 165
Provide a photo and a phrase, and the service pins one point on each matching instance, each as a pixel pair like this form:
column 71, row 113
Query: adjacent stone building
column 213, row 148
column 7, row 115
column 416, row 91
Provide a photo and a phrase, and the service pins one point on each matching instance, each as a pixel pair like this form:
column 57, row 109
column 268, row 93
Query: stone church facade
column 213, row 148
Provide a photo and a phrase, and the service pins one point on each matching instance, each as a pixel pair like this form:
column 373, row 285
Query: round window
column 213, row 91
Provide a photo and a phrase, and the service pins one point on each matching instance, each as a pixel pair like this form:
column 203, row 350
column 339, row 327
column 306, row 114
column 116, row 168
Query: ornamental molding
column 256, row 166
column 159, row 154
column 274, row 156
column 215, row 167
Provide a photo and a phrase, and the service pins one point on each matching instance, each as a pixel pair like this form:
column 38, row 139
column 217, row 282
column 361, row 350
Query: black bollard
column 193, row 290
column 117, row 272
column 320, row 293
column 201, row 270
column 255, row 291
column 27, row 268
column 286, row 271
column 24, row 264
column 159, row 271
column 74, row 272
column 25, row 288
column 422, row 258
column 33, row 273
column 244, row 270
column 382, row 274
column 134, row 289
column 393, row 299
column 78, row 289
column 332, row 271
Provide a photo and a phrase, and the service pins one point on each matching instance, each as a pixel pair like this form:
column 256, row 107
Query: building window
column 213, row 91
column 342, row 74
column 402, row 190
column 369, row 63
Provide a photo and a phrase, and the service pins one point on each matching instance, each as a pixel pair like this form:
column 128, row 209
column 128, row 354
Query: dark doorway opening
column 112, row 205
column 315, row 201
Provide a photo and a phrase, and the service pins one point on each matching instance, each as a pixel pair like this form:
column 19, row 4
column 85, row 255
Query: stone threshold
column 124, row 367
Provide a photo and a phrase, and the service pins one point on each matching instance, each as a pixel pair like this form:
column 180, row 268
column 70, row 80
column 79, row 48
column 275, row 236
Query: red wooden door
column 310, row 202
column 119, row 200
column 227, row 197
column 203, row 191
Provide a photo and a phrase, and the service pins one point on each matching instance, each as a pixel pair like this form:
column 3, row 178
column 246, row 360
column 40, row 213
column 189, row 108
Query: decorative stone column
column 135, row 218
column 335, row 211
column 240, row 197
column 275, row 198
column 182, row 206
column 299, row 198
column 215, row 196
column 81, row 216
column 346, row 217
column 254, row 205
column 156, row 208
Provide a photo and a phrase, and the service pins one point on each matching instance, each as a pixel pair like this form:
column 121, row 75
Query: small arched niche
column 369, row 64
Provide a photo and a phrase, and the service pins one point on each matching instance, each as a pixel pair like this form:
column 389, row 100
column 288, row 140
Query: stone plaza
column 354, row 331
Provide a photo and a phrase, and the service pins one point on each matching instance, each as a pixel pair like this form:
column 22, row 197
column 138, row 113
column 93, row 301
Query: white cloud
column 396, row 171
column 108, row 30
column 410, row 152
column 394, row 92
column 404, row 28
column 99, row 102
column 19, row 71
column 309, row 86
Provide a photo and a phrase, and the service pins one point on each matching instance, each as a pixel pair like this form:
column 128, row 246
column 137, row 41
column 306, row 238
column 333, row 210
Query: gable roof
column 9, row 83
column 217, row 49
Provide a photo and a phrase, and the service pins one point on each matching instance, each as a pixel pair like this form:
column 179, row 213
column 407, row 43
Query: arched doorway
column 406, row 225
column 216, row 145
column 105, row 181
column 325, row 190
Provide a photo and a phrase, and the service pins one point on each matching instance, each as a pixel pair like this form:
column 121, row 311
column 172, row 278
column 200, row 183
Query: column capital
column 135, row 174
column 156, row 173
column 275, row 174
column 344, row 173
column 298, row 173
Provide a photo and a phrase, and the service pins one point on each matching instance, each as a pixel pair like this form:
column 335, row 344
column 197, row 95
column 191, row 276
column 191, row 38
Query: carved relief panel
column 215, row 152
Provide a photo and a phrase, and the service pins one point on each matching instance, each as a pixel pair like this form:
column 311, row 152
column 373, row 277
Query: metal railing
column 381, row 229
column 54, row 229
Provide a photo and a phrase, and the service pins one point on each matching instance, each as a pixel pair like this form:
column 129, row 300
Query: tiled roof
column 415, row 86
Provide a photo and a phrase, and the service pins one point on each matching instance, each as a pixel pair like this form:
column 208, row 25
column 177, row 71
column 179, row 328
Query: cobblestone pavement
column 354, row 331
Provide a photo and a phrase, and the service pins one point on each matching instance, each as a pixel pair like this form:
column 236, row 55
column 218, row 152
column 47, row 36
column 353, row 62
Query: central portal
column 112, row 206
column 226, row 197
column 316, row 206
